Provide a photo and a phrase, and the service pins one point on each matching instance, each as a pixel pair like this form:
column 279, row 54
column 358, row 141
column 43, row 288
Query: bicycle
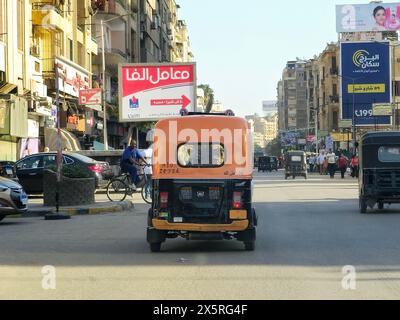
column 120, row 187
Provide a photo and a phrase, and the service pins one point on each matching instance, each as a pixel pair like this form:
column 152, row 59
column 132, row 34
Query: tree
column 208, row 97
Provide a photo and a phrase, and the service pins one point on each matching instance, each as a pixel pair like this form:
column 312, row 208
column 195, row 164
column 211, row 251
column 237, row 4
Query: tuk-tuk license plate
column 9, row 171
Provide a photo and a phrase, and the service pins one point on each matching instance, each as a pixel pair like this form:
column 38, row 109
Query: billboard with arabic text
column 151, row 92
column 366, row 80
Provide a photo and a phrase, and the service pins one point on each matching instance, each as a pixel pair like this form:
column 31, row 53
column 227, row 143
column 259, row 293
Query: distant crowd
column 328, row 163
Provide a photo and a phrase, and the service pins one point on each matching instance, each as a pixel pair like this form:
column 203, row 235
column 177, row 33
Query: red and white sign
column 90, row 97
column 71, row 80
column 154, row 92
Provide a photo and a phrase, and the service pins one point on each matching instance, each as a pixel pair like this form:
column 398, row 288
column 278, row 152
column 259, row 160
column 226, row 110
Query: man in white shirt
column 331, row 157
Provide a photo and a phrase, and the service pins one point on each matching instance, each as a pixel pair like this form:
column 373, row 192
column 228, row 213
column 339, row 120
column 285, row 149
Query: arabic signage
column 345, row 124
column 366, row 79
column 375, row 17
column 71, row 80
column 90, row 97
column 382, row 109
column 153, row 92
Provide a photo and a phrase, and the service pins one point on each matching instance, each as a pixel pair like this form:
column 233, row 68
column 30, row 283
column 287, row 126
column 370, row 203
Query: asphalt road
column 308, row 231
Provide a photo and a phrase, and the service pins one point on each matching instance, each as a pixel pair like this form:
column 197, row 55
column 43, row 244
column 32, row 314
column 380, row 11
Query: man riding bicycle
column 129, row 160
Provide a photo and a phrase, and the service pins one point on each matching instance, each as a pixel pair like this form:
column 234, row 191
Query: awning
column 7, row 88
column 68, row 140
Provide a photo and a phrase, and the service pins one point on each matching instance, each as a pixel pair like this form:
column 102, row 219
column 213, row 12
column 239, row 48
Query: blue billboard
column 366, row 79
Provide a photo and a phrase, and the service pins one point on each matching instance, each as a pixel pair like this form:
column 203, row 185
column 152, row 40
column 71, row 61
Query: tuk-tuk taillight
column 164, row 200
column 237, row 200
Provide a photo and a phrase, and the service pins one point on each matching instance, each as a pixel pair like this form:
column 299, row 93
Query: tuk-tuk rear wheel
column 250, row 246
column 155, row 247
column 381, row 205
column 363, row 206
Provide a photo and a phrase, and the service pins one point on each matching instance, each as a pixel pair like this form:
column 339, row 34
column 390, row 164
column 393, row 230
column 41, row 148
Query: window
column 49, row 161
column 201, row 155
column 58, row 43
column 334, row 89
column 30, row 163
column 389, row 154
column 20, row 24
column 71, row 50
column 68, row 161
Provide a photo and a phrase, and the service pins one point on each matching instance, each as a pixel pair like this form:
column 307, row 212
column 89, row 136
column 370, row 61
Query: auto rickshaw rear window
column 296, row 158
column 201, row 155
column 389, row 154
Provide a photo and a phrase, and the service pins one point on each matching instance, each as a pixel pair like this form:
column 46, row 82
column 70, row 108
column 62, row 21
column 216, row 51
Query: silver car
column 13, row 199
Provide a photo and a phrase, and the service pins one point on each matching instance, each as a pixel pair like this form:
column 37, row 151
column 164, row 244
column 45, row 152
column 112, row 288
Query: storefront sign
column 71, row 80
column 382, row 109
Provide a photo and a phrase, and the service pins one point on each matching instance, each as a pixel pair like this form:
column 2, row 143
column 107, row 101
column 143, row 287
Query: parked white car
column 13, row 198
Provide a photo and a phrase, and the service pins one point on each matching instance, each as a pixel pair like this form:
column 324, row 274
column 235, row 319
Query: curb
column 114, row 208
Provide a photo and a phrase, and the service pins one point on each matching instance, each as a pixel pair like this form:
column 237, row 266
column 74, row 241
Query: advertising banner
column 373, row 17
column 71, row 80
column 366, row 80
column 90, row 97
column 153, row 92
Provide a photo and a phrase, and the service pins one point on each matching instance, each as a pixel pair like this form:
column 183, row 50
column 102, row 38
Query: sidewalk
column 101, row 206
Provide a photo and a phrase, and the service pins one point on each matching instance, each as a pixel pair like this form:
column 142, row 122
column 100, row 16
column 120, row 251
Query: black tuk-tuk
column 379, row 170
column 267, row 164
column 263, row 164
column 274, row 164
column 295, row 164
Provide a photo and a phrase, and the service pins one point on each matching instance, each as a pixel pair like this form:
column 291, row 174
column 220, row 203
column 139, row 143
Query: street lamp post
column 354, row 133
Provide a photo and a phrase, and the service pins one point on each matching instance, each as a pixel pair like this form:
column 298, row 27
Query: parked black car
column 30, row 169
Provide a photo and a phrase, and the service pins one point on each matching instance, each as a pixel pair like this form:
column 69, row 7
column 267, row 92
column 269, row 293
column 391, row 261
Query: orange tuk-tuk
column 202, row 180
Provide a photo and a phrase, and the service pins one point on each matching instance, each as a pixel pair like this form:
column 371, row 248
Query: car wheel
column 250, row 246
column 2, row 216
column 363, row 206
column 381, row 205
column 155, row 247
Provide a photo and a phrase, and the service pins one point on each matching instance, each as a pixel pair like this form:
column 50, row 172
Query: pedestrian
column 342, row 165
column 312, row 163
column 354, row 164
column 331, row 158
column 321, row 162
column 148, row 170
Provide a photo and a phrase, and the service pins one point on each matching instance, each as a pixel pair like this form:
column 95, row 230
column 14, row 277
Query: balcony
column 47, row 16
column 334, row 99
column 108, row 9
column 114, row 56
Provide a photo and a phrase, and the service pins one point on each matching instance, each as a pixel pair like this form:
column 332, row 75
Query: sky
column 241, row 47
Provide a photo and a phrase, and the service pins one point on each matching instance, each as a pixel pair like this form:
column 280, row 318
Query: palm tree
column 208, row 97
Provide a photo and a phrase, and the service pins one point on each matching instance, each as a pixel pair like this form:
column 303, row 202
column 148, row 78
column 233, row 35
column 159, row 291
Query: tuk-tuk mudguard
column 248, row 235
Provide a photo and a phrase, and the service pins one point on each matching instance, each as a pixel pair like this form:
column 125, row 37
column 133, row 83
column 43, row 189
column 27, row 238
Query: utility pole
column 104, row 103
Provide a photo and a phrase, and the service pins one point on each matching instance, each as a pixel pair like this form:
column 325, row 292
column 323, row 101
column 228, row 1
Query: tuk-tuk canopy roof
column 233, row 133
column 381, row 138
